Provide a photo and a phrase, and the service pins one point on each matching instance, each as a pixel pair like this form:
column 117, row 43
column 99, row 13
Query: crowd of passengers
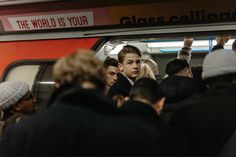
column 125, row 108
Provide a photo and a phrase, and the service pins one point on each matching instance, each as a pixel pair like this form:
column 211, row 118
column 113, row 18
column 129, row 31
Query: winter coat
column 179, row 92
column 209, row 123
column 171, row 142
column 120, row 87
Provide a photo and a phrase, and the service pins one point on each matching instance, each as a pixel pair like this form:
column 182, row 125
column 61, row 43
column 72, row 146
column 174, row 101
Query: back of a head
column 79, row 67
column 11, row 92
column 175, row 66
column 219, row 64
column 153, row 65
column 110, row 62
column 146, row 88
column 146, row 72
column 127, row 49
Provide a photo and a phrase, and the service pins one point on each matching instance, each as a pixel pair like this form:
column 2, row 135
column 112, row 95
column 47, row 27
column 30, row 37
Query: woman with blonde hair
column 146, row 72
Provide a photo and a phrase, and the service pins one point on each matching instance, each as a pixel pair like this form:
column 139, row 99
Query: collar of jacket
column 122, row 78
column 221, row 87
column 57, row 92
column 78, row 96
column 140, row 108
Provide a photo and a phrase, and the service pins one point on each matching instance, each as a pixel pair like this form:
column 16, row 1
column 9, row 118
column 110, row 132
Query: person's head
column 185, row 54
column 147, row 90
column 153, row 65
column 130, row 61
column 111, row 67
column 178, row 67
column 220, row 65
column 81, row 68
column 222, row 39
column 146, row 72
column 16, row 97
column 234, row 46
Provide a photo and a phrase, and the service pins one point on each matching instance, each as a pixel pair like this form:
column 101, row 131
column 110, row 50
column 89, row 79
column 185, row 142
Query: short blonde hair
column 78, row 67
column 146, row 72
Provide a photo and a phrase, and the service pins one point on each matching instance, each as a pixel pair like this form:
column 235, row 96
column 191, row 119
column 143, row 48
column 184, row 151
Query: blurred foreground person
column 16, row 101
column 145, row 104
column 81, row 121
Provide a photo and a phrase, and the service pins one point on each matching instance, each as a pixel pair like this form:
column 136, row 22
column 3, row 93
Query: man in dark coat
column 210, row 122
column 179, row 88
column 130, row 64
column 112, row 69
column 145, row 104
column 80, row 121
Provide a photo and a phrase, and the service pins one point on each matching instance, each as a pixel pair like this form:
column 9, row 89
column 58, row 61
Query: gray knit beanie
column 11, row 92
column 220, row 62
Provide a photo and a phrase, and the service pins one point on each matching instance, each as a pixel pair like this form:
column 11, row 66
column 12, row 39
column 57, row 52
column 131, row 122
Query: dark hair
column 110, row 62
column 146, row 88
column 175, row 66
column 127, row 49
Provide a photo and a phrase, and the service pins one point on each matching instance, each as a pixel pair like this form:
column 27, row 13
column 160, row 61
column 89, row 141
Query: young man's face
column 111, row 73
column 131, row 65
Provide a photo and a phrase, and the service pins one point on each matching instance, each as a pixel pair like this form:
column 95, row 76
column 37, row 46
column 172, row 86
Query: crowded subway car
column 35, row 67
column 34, row 38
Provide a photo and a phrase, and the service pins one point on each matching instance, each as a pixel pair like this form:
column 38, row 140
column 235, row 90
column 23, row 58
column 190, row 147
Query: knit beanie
column 219, row 62
column 11, row 92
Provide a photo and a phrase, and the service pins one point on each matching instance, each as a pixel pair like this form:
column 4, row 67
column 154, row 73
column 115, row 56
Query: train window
column 43, row 86
column 38, row 74
column 25, row 73
column 39, row 77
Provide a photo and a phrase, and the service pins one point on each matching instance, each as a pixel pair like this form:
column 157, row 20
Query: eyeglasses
column 28, row 96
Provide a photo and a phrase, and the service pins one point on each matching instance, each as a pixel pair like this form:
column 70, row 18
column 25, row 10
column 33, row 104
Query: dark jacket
column 179, row 92
column 209, row 123
column 229, row 149
column 80, row 123
column 120, row 87
column 172, row 143
column 178, row 88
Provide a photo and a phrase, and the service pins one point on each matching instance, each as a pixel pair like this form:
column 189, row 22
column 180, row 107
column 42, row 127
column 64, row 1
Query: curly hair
column 78, row 67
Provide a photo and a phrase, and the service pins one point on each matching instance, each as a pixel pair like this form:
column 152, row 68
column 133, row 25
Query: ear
column 120, row 65
column 190, row 74
column 17, row 106
column 159, row 104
